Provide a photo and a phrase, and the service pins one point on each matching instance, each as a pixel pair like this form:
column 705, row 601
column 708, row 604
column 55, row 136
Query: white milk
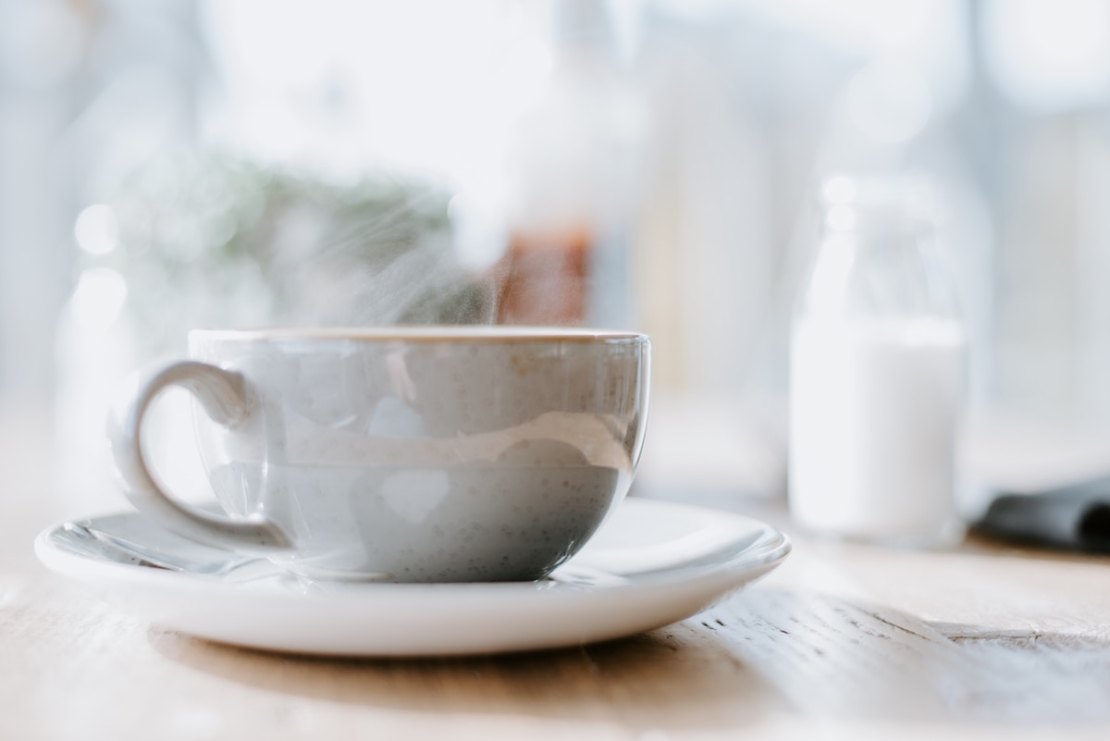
column 875, row 408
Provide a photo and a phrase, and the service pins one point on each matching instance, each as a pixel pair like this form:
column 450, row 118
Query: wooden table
column 844, row 641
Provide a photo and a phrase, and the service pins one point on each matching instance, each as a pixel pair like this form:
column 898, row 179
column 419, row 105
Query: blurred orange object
column 543, row 279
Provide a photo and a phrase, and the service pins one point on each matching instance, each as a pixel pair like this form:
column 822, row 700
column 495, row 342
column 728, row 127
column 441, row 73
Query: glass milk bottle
column 877, row 372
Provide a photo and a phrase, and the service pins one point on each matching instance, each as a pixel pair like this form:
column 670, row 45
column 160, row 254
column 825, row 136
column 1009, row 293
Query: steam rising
column 380, row 269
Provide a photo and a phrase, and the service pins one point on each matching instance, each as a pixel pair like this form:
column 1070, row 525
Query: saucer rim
column 769, row 549
column 409, row 619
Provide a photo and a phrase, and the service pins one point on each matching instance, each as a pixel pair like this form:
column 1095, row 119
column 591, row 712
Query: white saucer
column 651, row 564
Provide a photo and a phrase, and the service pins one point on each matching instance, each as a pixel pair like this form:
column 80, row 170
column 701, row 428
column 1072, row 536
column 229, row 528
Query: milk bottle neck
column 878, row 265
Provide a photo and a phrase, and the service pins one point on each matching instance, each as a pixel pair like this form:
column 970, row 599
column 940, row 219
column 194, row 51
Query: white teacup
column 409, row 454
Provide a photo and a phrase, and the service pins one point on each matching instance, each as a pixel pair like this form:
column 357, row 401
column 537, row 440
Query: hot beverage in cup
column 407, row 454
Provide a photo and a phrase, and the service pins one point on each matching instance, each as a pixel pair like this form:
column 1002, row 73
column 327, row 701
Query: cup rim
column 460, row 333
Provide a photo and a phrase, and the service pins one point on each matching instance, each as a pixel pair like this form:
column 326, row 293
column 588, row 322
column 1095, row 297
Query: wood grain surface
column 844, row 641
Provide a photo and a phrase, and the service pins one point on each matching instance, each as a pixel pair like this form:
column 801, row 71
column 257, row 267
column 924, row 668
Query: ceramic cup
column 407, row 454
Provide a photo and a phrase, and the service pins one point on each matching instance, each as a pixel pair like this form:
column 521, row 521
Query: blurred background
column 645, row 164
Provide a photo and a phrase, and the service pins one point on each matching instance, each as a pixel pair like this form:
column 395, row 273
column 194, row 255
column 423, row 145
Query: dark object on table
column 1075, row 517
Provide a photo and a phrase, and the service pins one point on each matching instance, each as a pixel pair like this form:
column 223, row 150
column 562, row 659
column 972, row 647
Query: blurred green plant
column 214, row 241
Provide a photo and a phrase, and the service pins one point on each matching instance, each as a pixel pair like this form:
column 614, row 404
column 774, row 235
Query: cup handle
column 223, row 394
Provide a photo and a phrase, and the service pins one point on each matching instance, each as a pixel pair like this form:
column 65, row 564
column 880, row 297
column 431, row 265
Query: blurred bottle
column 878, row 368
column 93, row 351
column 573, row 165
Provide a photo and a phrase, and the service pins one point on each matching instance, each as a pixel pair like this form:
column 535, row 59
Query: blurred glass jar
column 575, row 163
column 877, row 372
